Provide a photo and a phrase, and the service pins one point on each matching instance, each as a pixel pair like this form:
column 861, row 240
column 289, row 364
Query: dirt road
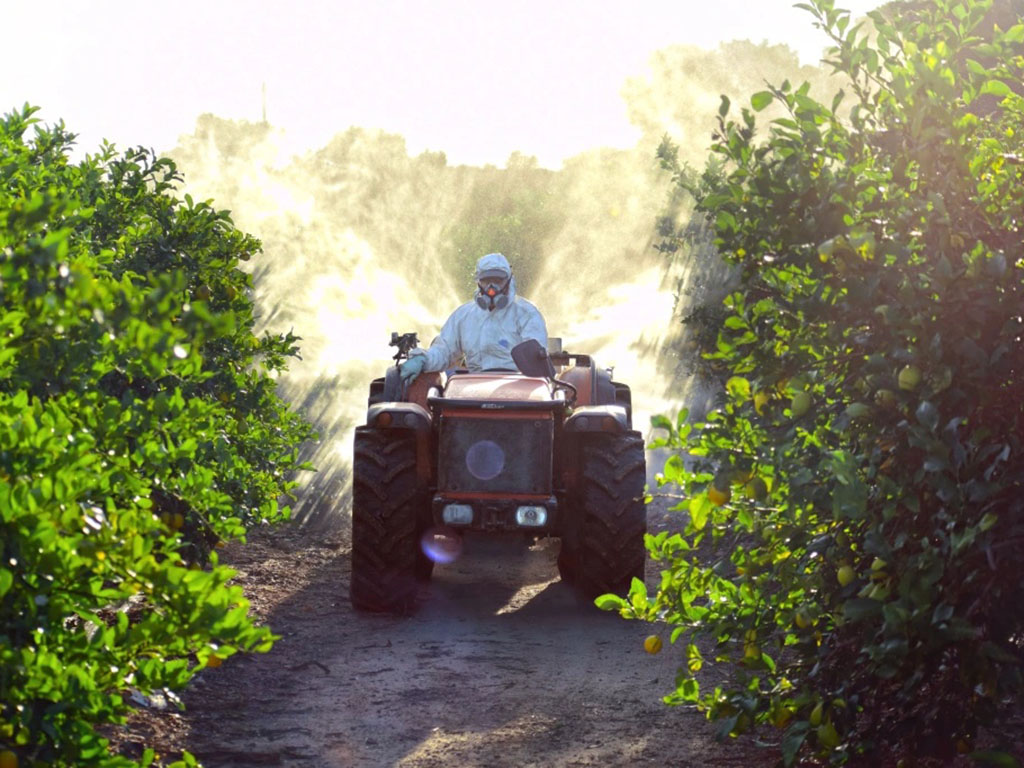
column 500, row 665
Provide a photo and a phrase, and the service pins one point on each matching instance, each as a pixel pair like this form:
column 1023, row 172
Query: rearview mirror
column 532, row 359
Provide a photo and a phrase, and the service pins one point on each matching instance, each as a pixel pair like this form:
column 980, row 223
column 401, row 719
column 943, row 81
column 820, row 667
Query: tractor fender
column 408, row 417
column 612, row 419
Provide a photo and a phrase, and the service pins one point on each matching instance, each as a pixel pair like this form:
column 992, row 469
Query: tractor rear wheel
column 387, row 498
column 611, row 517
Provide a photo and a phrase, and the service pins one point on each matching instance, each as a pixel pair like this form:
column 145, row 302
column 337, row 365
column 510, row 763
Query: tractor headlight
column 531, row 516
column 457, row 514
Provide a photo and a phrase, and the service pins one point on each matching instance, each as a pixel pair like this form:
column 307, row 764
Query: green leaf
column 761, row 99
column 694, row 659
column 723, row 107
column 976, row 67
column 658, row 421
column 996, row 88
column 738, row 387
column 794, row 738
column 860, row 608
column 610, row 602
column 700, row 509
column 674, row 470
column 638, row 595
column 927, row 415
column 688, row 689
column 1014, row 34
column 6, row 580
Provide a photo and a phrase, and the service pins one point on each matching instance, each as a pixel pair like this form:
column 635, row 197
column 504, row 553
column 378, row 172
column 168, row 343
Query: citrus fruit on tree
column 751, row 649
column 857, row 410
column 760, row 400
column 827, row 735
column 8, row 759
column 909, row 377
column 652, row 644
column 816, row 713
column 781, row 716
column 886, row 398
column 800, row 404
column 845, row 575
column 756, row 489
column 718, row 496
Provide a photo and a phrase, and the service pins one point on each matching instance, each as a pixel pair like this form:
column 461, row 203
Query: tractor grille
column 495, row 455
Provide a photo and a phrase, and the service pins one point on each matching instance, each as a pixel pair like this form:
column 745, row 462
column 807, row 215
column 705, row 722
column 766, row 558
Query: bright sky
column 477, row 80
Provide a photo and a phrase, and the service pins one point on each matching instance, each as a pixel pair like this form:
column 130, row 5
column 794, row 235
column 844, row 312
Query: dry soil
column 501, row 665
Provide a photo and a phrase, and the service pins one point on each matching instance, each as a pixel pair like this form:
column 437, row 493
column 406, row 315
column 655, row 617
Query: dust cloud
column 361, row 239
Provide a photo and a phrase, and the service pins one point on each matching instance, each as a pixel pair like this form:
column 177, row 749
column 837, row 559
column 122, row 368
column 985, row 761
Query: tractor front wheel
column 611, row 517
column 386, row 509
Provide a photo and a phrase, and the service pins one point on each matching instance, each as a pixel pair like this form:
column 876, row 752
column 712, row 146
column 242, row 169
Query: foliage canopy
column 864, row 577
column 139, row 427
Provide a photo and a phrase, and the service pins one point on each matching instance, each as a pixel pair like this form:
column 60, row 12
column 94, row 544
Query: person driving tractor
column 482, row 332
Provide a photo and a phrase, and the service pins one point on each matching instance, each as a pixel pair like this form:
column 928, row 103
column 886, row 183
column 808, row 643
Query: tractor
column 545, row 450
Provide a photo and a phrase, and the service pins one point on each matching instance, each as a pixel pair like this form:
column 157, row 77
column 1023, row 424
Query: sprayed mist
column 360, row 240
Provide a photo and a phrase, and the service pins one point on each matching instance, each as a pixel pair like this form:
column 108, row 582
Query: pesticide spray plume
column 360, row 239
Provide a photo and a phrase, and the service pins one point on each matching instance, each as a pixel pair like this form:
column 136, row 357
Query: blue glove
column 412, row 368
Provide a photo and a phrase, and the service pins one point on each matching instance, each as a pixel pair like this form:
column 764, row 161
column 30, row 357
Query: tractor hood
column 497, row 386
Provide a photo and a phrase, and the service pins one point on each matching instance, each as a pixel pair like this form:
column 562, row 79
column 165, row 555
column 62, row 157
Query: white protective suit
column 484, row 338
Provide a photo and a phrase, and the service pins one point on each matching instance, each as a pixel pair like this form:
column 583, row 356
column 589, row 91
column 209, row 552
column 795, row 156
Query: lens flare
column 441, row 544
column 485, row 460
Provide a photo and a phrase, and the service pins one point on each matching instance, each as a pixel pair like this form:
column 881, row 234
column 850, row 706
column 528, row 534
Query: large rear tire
column 387, row 498
column 609, row 543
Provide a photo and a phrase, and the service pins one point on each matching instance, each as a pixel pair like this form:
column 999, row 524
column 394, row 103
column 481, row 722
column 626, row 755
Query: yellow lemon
column 781, row 717
column 816, row 714
column 827, row 735
column 800, row 404
column 846, row 574
column 909, row 377
column 757, row 489
column 718, row 496
column 760, row 400
column 857, row 410
column 652, row 644
column 886, row 398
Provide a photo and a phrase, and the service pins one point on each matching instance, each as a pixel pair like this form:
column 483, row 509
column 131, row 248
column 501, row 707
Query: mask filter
column 489, row 303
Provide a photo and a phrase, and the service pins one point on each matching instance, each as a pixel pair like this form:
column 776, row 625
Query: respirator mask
column 493, row 290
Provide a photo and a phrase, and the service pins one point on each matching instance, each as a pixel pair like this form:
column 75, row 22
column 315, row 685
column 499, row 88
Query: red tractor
column 548, row 450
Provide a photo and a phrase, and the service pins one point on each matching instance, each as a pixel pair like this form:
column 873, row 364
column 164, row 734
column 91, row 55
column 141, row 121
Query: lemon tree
column 875, row 344
column 139, row 427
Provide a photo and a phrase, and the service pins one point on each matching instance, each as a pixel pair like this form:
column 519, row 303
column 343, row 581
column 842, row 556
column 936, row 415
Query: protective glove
column 412, row 368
